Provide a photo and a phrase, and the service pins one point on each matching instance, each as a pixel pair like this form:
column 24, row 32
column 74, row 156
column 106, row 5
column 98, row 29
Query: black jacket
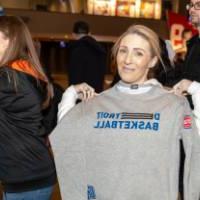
column 87, row 62
column 191, row 69
column 25, row 161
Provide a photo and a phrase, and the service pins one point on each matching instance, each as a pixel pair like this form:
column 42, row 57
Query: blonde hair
column 20, row 46
column 150, row 36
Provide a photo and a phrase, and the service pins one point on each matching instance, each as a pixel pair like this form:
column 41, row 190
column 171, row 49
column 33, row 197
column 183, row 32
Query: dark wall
column 61, row 23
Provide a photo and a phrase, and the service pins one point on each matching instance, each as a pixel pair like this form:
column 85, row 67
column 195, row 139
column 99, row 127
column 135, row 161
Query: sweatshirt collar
column 137, row 88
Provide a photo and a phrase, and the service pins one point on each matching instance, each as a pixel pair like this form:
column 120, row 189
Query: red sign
column 177, row 23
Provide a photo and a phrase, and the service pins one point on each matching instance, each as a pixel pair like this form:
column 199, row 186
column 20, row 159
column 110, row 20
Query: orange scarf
column 26, row 67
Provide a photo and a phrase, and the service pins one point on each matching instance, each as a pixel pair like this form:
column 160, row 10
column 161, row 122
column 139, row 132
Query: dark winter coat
column 87, row 63
column 25, row 161
column 191, row 68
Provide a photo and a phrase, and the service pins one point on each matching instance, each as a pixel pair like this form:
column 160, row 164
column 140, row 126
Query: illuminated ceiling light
column 137, row 8
column 158, row 9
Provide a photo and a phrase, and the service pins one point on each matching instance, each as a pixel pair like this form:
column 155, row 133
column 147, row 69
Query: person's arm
column 67, row 102
column 80, row 91
column 193, row 88
column 191, row 143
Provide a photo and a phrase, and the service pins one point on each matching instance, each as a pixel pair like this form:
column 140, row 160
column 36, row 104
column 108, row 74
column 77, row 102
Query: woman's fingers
column 85, row 91
column 181, row 87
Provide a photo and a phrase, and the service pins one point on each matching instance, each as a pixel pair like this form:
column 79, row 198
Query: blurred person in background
column 193, row 88
column 182, row 51
column 189, row 64
column 27, row 169
column 87, row 58
column 165, row 71
column 191, row 69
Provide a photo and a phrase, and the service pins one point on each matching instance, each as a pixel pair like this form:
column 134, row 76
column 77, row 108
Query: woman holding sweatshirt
column 192, row 88
column 124, row 144
column 27, row 169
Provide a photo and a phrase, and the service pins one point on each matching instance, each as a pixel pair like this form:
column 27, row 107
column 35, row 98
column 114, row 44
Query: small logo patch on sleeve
column 187, row 122
column 91, row 192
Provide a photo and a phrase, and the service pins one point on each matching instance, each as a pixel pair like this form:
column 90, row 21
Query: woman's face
column 4, row 42
column 134, row 59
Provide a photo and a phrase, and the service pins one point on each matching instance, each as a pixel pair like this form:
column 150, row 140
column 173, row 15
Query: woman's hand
column 84, row 91
column 181, row 87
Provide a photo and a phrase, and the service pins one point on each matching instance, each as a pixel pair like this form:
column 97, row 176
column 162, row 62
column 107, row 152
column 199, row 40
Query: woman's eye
column 138, row 53
column 122, row 50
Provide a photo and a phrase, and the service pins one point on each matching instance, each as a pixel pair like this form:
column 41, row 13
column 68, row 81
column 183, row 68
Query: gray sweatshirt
column 122, row 146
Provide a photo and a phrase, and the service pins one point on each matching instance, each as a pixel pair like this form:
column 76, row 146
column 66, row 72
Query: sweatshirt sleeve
column 67, row 141
column 194, row 90
column 67, row 102
column 191, row 142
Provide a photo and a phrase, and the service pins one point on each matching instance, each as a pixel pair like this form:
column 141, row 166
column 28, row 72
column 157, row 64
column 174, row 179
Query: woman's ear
column 153, row 62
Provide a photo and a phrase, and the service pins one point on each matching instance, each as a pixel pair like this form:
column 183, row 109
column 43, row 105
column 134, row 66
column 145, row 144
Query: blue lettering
column 114, row 124
column 148, row 126
column 120, row 124
column 101, row 125
column 141, row 125
column 155, row 126
column 97, row 124
column 157, row 116
column 98, row 115
column 91, row 192
column 127, row 124
column 134, row 125
column 117, row 115
column 112, row 115
column 107, row 125
column 105, row 115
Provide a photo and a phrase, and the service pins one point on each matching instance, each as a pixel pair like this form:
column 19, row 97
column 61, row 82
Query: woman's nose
column 128, row 58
